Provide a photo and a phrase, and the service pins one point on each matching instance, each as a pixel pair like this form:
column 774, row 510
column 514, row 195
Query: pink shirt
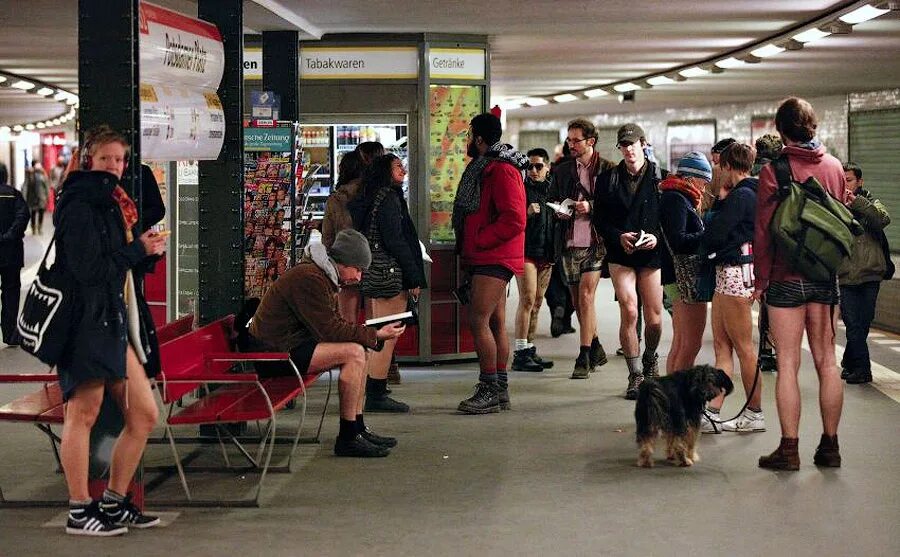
column 581, row 233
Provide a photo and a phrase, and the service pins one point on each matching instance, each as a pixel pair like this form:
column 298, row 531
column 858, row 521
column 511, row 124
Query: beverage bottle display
column 354, row 135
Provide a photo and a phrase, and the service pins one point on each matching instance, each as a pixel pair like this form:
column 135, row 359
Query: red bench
column 206, row 356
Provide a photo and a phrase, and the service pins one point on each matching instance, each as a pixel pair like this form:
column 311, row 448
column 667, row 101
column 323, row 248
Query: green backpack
column 813, row 229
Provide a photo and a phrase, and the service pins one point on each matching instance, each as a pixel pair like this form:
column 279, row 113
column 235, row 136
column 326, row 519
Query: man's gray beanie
column 351, row 248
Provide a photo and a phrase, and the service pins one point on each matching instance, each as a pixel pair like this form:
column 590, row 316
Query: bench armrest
column 29, row 378
column 211, row 378
column 246, row 356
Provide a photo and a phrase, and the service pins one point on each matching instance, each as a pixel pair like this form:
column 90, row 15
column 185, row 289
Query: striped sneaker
column 89, row 520
column 125, row 513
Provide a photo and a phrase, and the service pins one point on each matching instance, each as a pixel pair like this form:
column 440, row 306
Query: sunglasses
column 536, row 166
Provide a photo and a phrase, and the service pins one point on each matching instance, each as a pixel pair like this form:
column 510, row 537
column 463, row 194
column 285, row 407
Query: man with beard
column 299, row 314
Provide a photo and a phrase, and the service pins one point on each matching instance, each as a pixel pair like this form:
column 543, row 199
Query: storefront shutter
column 874, row 145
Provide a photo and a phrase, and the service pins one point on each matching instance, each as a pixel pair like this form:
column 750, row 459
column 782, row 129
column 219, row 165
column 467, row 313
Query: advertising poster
column 451, row 108
column 179, row 123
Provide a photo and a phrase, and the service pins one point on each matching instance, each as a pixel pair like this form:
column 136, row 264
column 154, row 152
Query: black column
column 108, row 77
column 222, row 180
column 281, row 69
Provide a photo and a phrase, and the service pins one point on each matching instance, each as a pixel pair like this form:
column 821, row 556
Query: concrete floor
column 555, row 476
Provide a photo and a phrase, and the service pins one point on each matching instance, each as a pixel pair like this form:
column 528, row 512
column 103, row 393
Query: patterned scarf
column 690, row 186
column 468, row 194
column 129, row 211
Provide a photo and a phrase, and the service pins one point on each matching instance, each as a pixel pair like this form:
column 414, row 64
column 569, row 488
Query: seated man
column 299, row 314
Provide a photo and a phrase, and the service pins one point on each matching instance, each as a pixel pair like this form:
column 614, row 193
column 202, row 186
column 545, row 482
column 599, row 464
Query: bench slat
column 30, row 407
column 208, row 409
column 281, row 390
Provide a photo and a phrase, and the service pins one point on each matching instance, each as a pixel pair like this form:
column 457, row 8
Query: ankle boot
column 785, row 457
column 377, row 399
column 828, row 453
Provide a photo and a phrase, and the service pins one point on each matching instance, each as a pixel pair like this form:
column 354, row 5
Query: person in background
column 489, row 223
column 682, row 228
column 13, row 222
column 36, row 191
column 796, row 304
column 382, row 207
column 540, row 254
column 577, row 240
column 728, row 243
column 861, row 274
column 718, row 178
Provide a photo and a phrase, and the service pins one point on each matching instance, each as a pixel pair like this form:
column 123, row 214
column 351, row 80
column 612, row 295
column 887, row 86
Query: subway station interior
column 244, row 109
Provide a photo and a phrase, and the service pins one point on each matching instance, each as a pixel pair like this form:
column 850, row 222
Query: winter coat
column 36, row 190
column 540, row 228
column 769, row 264
column 13, row 221
column 495, row 233
column 870, row 260
column 565, row 186
column 680, row 223
column 337, row 216
column 617, row 211
column 393, row 216
column 92, row 249
column 731, row 224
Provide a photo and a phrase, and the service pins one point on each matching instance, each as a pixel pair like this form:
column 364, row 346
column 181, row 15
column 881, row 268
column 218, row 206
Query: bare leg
column 527, row 285
column 739, row 328
column 487, row 293
column 351, row 358
column 378, row 307
column 543, row 281
column 81, row 413
column 786, row 325
column 721, row 344
column 625, row 284
column 498, row 330
column 820, row 331
column 584, row 293
column 649, row 287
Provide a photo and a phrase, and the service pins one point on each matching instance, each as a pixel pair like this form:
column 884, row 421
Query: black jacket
column 616, row 211
column 13, row 221
column 566, row 186
column 730, row 224
column 540, row 228
column 393, row 217
column 92, row 249
column 680, row 223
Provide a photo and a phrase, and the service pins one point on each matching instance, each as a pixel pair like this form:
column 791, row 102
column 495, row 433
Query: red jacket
column 495, row 234
column 769, row 264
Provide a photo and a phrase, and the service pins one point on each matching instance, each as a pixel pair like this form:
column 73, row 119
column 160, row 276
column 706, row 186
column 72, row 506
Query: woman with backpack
column 397, row 273
column 796, row 303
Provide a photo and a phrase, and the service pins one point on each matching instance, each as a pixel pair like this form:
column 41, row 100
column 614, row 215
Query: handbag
column 45, row 322
column 412, row 306
column 383, row 278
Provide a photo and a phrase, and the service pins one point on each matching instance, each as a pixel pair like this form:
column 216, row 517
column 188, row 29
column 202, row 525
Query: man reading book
column 299, row 314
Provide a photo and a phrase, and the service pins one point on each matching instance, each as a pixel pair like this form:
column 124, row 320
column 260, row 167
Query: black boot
column 522, row 361
column 377, row 399
column 557, row 323
column 546, row 364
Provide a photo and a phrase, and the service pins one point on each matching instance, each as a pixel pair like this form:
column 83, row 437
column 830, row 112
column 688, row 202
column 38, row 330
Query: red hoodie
column 769, row 263
column 495, row 234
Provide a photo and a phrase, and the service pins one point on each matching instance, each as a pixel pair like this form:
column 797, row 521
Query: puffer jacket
column 870, row 260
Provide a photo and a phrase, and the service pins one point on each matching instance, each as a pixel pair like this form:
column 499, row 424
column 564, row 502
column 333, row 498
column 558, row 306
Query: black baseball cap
column 629, row 133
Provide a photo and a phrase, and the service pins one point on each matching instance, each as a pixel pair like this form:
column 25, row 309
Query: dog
column 672, row 405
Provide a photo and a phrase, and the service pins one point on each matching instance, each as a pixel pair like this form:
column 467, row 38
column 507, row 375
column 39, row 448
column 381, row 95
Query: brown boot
column 828, row 453
column 785, row 457
column 393, row 376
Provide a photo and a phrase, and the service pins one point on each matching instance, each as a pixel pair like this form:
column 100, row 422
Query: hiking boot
column 785, row 457
column 485, row 400
column 125, row 513
column 357, row 446
column 634, row 381
column 828, row 453
column 522, row 361
column 378, row 440
column 582, row 367
column 747, row 422
column 393, row 376
column 598, row 355
column 503, row 397
column 707, row 425
column 767, row 361
column 89, row 520
column 651, row 365
column 385, row 404
column 546, row 364
column 858, row 377
column 845, row 373
column 619, row 351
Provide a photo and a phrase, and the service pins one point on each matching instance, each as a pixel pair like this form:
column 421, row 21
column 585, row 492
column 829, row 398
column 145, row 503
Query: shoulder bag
column 383, row 278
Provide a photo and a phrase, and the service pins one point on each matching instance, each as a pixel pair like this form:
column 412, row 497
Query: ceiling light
column 44, row 91
column 810, row 35
column 865, row 13
column 29, row 127
column 57, row 121
column 660, row 80
column 625, row 87
column 536, row 101
column 766, row 51
column 696, row 71
column 2, row 79
column 18, row 128
column 60, row 95
column 23, row 85
column 729, row 63
column 592, row 93
column 5, row 129
column 71, row 100
column 41, row 125
column 565, row 98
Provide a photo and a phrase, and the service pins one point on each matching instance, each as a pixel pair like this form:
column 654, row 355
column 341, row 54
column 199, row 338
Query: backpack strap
column 783, row 175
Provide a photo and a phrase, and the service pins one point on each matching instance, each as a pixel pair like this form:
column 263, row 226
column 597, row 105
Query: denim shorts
column 795, row 293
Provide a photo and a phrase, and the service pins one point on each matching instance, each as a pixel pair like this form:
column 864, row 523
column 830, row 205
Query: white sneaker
column 707, row 426
column 748, row 422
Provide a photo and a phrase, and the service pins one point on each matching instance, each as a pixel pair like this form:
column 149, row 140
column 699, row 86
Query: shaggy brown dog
column 672, row 405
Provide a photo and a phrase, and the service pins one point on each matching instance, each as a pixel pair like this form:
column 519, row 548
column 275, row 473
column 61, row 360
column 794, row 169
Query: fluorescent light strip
column 625, row 87
column 766, row 51
column 865, row 13
column 593, row 93
column 728, row 63
column 23, row 85
column 565, row 98
column 536, row 101
column 18, row 128
column 810, row 35
column 660, row 80
column 5, row 129
column 29, row 127
column 44, row 91
column 696, row 71
column 2, row 79
column 60, row 96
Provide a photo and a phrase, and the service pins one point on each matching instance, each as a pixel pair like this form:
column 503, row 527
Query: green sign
column 267, row 139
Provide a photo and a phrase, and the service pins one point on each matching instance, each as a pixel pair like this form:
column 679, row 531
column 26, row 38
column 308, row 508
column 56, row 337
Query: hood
column 809, row 156
column 91, row 187
column 317, row 253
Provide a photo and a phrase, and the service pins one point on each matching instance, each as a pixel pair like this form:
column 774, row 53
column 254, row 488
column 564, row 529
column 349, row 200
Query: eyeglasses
column 536, row 166
column 571, row 141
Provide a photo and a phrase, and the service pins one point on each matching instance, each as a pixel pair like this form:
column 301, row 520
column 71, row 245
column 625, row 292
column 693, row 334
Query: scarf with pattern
column 129, row 210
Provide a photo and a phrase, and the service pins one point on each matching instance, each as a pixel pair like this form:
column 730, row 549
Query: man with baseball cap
column 299, row 314
column 627, row 215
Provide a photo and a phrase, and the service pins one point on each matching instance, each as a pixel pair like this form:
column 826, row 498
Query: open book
column 566, row 207
column 378, row 322
column 642, row 239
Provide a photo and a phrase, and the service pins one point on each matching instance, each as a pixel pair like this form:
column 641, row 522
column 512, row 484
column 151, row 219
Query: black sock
column 348, row 429
column 585, row 350
column 360, row 423
column 502, row 379
column 486, row 377
column 595, row 342
column 377, row 387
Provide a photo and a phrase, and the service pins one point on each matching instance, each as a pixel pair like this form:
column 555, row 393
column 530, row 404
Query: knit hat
column 351, row 248
column 694, row 164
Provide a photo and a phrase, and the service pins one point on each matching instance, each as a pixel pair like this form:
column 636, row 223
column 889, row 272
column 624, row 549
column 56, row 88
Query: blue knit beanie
column 695, row 164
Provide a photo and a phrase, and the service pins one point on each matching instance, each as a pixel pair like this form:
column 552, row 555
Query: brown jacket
column 337, row 217
column 301, row 307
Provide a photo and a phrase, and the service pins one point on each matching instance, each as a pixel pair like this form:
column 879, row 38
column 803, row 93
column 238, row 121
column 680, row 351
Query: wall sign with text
column 456, row 63
column 376, row 62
